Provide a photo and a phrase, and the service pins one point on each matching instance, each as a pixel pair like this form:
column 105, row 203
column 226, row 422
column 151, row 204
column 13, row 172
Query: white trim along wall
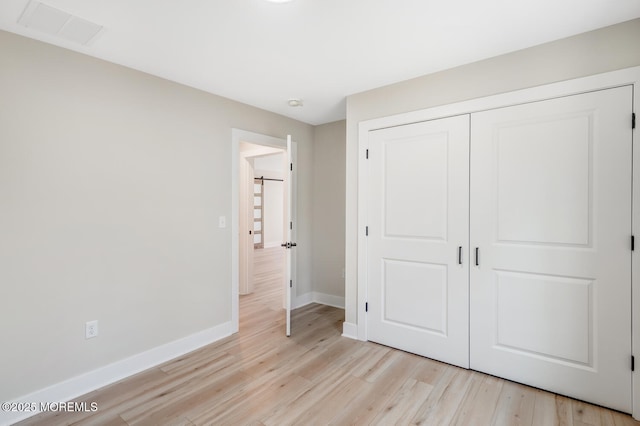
column 103, row 376
column 629, row 76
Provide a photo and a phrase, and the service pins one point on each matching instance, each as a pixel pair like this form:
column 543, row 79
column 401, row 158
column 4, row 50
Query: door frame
column 628, row 76
column 238, row 136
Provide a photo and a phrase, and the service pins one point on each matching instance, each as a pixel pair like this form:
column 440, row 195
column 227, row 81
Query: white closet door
column 418, row 228
column 551, row 218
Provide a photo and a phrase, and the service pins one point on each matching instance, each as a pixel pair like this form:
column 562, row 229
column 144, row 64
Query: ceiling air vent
column 49, row 20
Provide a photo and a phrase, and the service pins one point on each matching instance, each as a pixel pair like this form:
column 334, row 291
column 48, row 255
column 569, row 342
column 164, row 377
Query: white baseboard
column 301, row 301
column 328, row 299
column 350, row 330
column 321, row 298
column 103, row 376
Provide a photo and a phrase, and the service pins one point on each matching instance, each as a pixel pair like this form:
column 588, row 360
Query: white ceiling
column 321, row 51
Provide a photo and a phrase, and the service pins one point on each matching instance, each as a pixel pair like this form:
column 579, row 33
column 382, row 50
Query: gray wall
column 111, row 185
column 595, row 52
column 328, row 208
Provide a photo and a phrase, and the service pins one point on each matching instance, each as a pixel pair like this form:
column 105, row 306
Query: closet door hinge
column 366, row 307
column 291, row 225
column 290, row 283
column 633, row 363
column 366, row 231
column 633, row 120
column 633, row 243
column 367, row 155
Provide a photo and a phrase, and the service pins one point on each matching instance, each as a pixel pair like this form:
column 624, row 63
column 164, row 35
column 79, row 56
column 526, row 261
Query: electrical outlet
column 91, row 329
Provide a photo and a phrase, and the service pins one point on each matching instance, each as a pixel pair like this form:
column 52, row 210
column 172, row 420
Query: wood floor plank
column 442, row 404
column 367, row 405
column 369, row 357
column 545, row 411
column 261, row 377
column 430, row 371
column 335, row 401
column 294, row 409
column 515, row 405
column 564, row 410
column 404, row 405
column 103, row 421
column 166, row 403
column 479, row 403
column 589, row 415
column 334, row 356
column 254, row 402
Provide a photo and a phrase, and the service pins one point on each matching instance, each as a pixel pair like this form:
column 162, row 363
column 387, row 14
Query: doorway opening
column 262, row 259
column 258, row 226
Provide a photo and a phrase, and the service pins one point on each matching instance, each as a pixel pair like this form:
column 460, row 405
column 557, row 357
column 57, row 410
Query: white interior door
column 418, row 238
column 291, row 227
column 246, row 226
column 551, row 220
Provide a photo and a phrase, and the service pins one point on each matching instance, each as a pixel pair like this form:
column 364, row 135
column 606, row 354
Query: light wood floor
column 317, row 377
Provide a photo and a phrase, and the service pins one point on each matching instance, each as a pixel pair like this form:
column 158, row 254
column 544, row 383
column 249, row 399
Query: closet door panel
column 550, row 290
column 418, row 237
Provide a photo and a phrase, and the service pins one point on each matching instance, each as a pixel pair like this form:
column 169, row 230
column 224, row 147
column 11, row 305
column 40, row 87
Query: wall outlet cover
column 91, row 329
